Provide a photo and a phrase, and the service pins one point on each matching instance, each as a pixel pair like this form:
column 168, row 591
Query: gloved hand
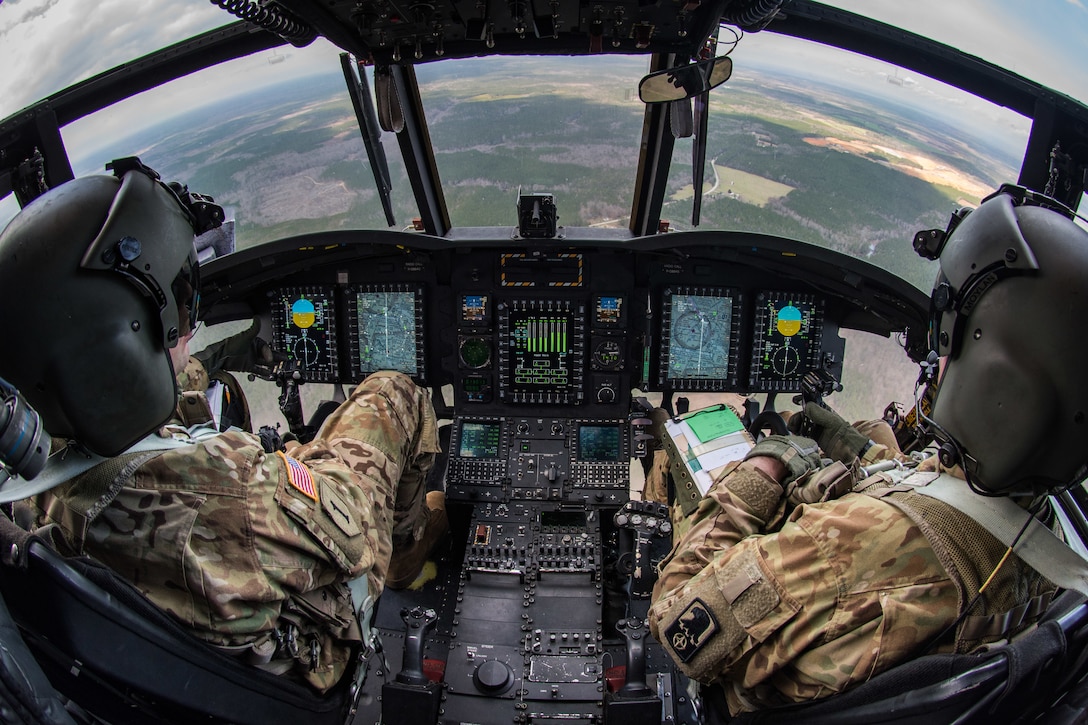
column 799, row 455
column 242, row 352
column 838, row 439
column 823, row 485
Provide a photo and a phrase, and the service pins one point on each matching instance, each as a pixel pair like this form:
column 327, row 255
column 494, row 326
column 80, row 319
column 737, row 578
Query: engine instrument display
column 304, row 327
column 542, row 351
column 386, row 329
column 699, row 338
column 787, row 340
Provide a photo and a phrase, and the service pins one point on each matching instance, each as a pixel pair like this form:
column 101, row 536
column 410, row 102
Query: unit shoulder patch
column 691, row 630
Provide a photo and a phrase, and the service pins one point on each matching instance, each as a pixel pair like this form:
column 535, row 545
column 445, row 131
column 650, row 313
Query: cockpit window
column 1004, row 33
column 45, row 47
column 847, row 153
column 563, row 126
column 273, row 137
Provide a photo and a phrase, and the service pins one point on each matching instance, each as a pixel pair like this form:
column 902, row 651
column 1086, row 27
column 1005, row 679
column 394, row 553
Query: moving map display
column 386, row 328
column 304, row 328
column 699, row 338
column 787, row 340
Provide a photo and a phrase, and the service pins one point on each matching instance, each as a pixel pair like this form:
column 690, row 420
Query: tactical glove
column 242, row 352
column 838, row 439
column 799, row 455
column 822, row 485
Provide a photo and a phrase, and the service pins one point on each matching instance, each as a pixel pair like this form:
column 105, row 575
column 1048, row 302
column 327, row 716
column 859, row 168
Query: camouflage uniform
column 251, row 551
column 779, row 604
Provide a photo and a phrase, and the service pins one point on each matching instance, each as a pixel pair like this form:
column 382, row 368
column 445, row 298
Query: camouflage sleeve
column 743, row 501
column 883, row 443
column 808, row 610
column 317, row 516
column 193, row 377
column 365, row 462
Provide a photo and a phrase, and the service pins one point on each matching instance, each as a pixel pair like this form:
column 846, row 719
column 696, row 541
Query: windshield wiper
column 698, row 154
column 359, row 90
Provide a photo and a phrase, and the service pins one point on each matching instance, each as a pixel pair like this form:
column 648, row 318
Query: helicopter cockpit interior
column 546, row 346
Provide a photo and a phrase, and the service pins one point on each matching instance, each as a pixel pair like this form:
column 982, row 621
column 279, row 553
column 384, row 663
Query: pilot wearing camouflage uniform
column 795, row 583
column 249, row 550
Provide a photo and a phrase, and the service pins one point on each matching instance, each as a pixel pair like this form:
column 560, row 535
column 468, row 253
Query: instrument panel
column 584, row 461
column 557, row 333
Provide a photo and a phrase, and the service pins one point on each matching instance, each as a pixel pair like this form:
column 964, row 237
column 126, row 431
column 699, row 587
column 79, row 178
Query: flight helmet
column 1008, row 312
column 98, row 280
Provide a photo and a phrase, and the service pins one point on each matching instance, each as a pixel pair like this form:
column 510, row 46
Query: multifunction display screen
column 479, row 440
column 541, row 347
column 598, row 442
column 386, row 327
column 541, row 354
column 699, row 338
column 787, row 340
column 304, row 328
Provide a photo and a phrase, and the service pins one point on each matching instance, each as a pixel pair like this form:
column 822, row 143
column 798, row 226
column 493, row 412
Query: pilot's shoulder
column 222, row 464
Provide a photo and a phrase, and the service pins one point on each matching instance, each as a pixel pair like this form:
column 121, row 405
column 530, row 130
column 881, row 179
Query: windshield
column 844, row 152
column 804, row 141
column 538, row 125
column 277, row 143
column 1042, row 41
column 854, row 155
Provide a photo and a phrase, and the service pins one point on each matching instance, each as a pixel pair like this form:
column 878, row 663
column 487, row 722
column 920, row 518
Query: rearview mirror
column 674, row 84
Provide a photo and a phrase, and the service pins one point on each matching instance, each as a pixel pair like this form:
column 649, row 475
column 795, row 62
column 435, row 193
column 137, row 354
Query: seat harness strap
column 1039, row 548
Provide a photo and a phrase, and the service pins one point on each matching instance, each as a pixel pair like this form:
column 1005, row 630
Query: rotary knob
column 493, row 677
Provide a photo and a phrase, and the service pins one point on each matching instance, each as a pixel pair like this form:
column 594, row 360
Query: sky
column 46, row 45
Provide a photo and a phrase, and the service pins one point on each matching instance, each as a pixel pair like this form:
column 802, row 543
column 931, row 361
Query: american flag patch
column 299, row 476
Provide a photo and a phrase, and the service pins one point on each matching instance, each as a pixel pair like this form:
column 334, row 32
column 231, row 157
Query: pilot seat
column 113, row 654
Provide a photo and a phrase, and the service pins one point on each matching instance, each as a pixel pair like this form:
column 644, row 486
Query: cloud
column 46, row 47
column 83, row 137
column 32, row 13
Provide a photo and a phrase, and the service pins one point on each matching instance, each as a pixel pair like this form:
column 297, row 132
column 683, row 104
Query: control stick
column 635, row 632
column 418, row 623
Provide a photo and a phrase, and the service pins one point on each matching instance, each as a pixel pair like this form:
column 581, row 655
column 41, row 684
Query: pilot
column 796, row 582
column 252, row 552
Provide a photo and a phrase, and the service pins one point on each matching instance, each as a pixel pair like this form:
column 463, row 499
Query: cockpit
column 550, row 310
